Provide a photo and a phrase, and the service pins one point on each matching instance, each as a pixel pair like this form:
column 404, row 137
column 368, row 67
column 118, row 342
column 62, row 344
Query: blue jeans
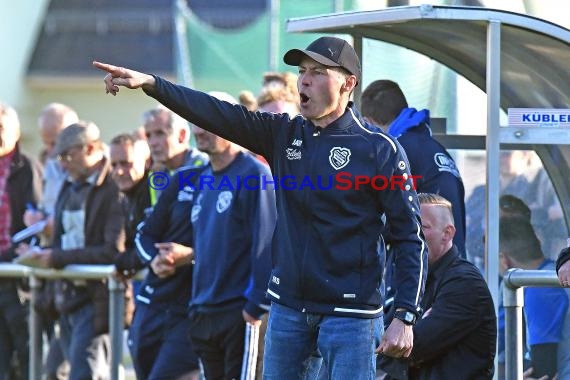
column 347, row 345
column 88, row 354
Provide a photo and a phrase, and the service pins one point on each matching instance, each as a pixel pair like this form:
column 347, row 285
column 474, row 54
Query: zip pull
column 317, row 131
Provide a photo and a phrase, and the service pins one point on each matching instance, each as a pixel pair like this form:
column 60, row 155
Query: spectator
column 20, row 184
column 247, row 99
column 327, row 259
column 53, row 118
column 548, row 217
column 279, row 94
column 130, row 161
column 168, row 136
column 509, row 207
column 88, row 230
column 513, row 182
column 546, row 310
column 384, row 105
column 139, row 133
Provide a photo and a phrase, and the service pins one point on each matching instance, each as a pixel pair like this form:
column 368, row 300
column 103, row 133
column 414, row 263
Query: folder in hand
column 30, row 231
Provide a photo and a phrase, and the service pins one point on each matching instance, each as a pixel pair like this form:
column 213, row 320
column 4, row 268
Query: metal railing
column 513, row 302
column 71, row 272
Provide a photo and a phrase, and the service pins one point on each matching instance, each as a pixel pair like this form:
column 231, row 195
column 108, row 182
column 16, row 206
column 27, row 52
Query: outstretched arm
column 120, row 76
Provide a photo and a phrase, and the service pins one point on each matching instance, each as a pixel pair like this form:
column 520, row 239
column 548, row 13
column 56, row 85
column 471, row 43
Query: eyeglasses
column 67, row 155
column 122, row 164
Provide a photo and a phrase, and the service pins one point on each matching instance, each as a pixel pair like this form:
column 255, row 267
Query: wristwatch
column 405, row 316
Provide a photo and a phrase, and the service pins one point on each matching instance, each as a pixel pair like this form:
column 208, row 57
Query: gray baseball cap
column 77, row 134
column 329, row 51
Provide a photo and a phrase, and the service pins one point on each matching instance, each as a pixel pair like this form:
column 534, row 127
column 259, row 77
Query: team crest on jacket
column 224, row 201
column 339, row 157
column 446, row 164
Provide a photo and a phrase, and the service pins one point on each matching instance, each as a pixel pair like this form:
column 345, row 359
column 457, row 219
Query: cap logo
column 332, row 52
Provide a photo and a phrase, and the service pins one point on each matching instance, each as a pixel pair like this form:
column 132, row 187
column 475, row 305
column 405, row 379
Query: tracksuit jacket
column 430, row 161
column 169, row 222
column 233, row 219
column 327, row 250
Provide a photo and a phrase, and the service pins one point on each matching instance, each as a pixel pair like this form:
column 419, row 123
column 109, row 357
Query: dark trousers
column 219, row 339
column 159, row 344
column 13, row 331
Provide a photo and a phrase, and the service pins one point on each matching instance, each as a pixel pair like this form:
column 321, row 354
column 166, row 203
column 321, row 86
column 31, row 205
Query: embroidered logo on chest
column 224, row 201
column 186, row 194
column 293, row 154
column 339, row 157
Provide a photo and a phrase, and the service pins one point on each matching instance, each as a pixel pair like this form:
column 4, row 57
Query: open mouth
column 304, row 98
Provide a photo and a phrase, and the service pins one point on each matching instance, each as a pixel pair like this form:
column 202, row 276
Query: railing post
column 116, row 324
column 35, row 332
column 513, row 301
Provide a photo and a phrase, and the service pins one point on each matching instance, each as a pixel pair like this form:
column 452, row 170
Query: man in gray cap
column 328, row 253
column 88, row 229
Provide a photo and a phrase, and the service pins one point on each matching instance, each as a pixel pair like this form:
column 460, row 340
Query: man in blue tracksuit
column 328, row 254
column 383, row 103
column 158, row 337
column 233, row 218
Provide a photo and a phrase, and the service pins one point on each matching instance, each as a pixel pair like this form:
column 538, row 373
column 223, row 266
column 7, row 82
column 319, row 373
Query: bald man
column 455, row 337
column 52, row 120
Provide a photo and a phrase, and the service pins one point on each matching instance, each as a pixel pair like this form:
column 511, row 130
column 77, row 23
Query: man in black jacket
column 88, row 226
column 456, row 336
column 130, row 161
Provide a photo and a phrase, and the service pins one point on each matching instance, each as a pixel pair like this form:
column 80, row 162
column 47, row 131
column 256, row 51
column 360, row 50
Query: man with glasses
column 88, row 229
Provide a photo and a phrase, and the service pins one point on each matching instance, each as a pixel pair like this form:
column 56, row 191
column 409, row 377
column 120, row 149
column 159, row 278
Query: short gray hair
column 175, row 122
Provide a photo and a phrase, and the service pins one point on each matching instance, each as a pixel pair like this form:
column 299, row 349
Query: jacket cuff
column 254, row 310
column 562, row 258
column 57, row 258
column 417, row 310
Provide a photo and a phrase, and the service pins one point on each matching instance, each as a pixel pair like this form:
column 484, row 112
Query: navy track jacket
column 438, row 174
column 327, row 251
column 233, row 220
column 168, row 222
